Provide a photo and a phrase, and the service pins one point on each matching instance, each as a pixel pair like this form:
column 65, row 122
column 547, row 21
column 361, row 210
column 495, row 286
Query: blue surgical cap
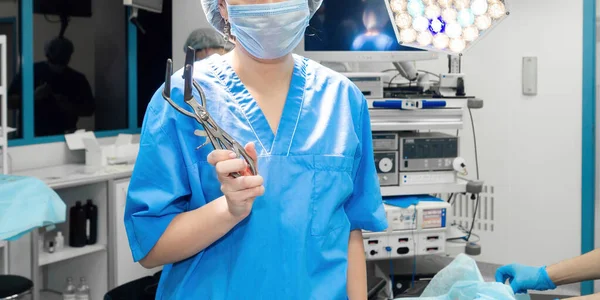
column 211, row 9
column 206, row 38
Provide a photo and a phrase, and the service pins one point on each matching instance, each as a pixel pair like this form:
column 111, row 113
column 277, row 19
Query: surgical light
column 449, row 15
column 420, row 24
column 425, row 38
column 497, row 10
column 436, row 26
column 408, row 35
column 466, row 17
column 403, row 20
column 445, row 3
column 483, row 22
column 453, row 30
column 461, row 4
column 449, row 26
column 457, row 45
column 479, row 7
column 470, row 33
column 433, row 11
column 440, row 41
column 415, row 8
column 398, row 5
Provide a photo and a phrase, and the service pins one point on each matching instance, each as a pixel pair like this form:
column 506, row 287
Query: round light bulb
column 398, row 5
column 403, row 20
column 461, row 4
column 453, row 30
column 465, row 17
column 433, row 11
column 441, row 41
column 415, row 8
column 449, row 15
column 470, row 33
column 436, row 26
column 425, row 38
column 479, row 7
column 497, row 10
column 408, row 35
column 420, row 24
column 483, row 22
column 445, row 3
column 457, row 45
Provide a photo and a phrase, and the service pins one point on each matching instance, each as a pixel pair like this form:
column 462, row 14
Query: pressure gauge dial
column 386, row 165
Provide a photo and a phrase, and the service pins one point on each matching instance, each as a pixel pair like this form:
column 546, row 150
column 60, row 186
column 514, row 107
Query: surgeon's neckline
column 278, row 142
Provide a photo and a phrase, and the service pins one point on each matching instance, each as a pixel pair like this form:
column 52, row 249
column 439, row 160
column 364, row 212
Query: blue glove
column 523, row 278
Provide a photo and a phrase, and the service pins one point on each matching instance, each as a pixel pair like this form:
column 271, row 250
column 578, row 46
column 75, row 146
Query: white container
column 59, row 241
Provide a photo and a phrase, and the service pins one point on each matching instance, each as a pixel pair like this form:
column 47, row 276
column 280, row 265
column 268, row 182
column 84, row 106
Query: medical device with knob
column 215, row 134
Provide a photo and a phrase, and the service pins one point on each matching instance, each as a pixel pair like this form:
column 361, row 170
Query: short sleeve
column 365, row 207
column 159, row 187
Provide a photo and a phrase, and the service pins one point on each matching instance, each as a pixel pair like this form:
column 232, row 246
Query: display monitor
column 149, row 5
column 68, row 8
column 355, row 31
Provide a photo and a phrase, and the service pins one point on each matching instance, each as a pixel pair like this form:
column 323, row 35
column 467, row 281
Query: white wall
column 529, row 147
column 187, row 16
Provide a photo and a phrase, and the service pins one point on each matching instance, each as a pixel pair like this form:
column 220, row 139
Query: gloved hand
column 523, row 278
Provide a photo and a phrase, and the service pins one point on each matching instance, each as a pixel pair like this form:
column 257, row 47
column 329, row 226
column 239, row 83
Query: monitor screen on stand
column 350, row 31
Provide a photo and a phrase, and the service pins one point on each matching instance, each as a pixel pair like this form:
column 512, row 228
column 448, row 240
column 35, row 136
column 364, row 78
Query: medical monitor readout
column 352, row 25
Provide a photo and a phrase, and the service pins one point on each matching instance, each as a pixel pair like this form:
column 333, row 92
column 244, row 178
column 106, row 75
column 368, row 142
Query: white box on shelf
column 97, row 155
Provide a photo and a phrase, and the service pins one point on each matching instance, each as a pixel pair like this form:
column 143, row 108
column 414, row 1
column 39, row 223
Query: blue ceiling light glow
column 415, row 8
column 437, row 25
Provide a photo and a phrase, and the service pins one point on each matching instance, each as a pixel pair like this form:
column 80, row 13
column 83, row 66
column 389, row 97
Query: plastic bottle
column 77, row 237
column 69, row 291
column 59, row 241
column 83, row 291
column 91, row 224
column 51, row 247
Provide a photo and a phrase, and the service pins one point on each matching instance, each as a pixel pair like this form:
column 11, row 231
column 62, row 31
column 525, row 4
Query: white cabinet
column 125, row 269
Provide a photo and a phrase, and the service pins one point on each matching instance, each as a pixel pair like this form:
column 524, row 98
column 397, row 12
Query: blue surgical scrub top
column 319, row 177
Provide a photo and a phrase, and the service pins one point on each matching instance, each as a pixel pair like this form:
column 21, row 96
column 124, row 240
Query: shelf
column 64, row 176
column 408, row 120
column 9, row 130
column 68, row 253
column 459, row 187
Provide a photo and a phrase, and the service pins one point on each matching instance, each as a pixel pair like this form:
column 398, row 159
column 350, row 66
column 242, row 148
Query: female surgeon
column 294, row 230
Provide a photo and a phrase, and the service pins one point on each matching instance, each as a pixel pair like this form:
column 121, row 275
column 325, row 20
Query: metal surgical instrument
column 215, row 134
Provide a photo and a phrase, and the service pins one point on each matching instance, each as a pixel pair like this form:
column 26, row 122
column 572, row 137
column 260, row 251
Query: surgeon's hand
column 240, row 192
column 523, row 278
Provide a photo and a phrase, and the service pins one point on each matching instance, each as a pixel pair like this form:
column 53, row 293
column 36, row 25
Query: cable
column 474, row 215
column 392, row 80
column 430, row 73
column 50, row 21
column 414, row 271
column 392, row 274
column 450, row 198
column 475, row 144
column 463, row 240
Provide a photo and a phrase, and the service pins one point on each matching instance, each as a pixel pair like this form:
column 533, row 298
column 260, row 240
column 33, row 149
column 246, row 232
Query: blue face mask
column 271, row 30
